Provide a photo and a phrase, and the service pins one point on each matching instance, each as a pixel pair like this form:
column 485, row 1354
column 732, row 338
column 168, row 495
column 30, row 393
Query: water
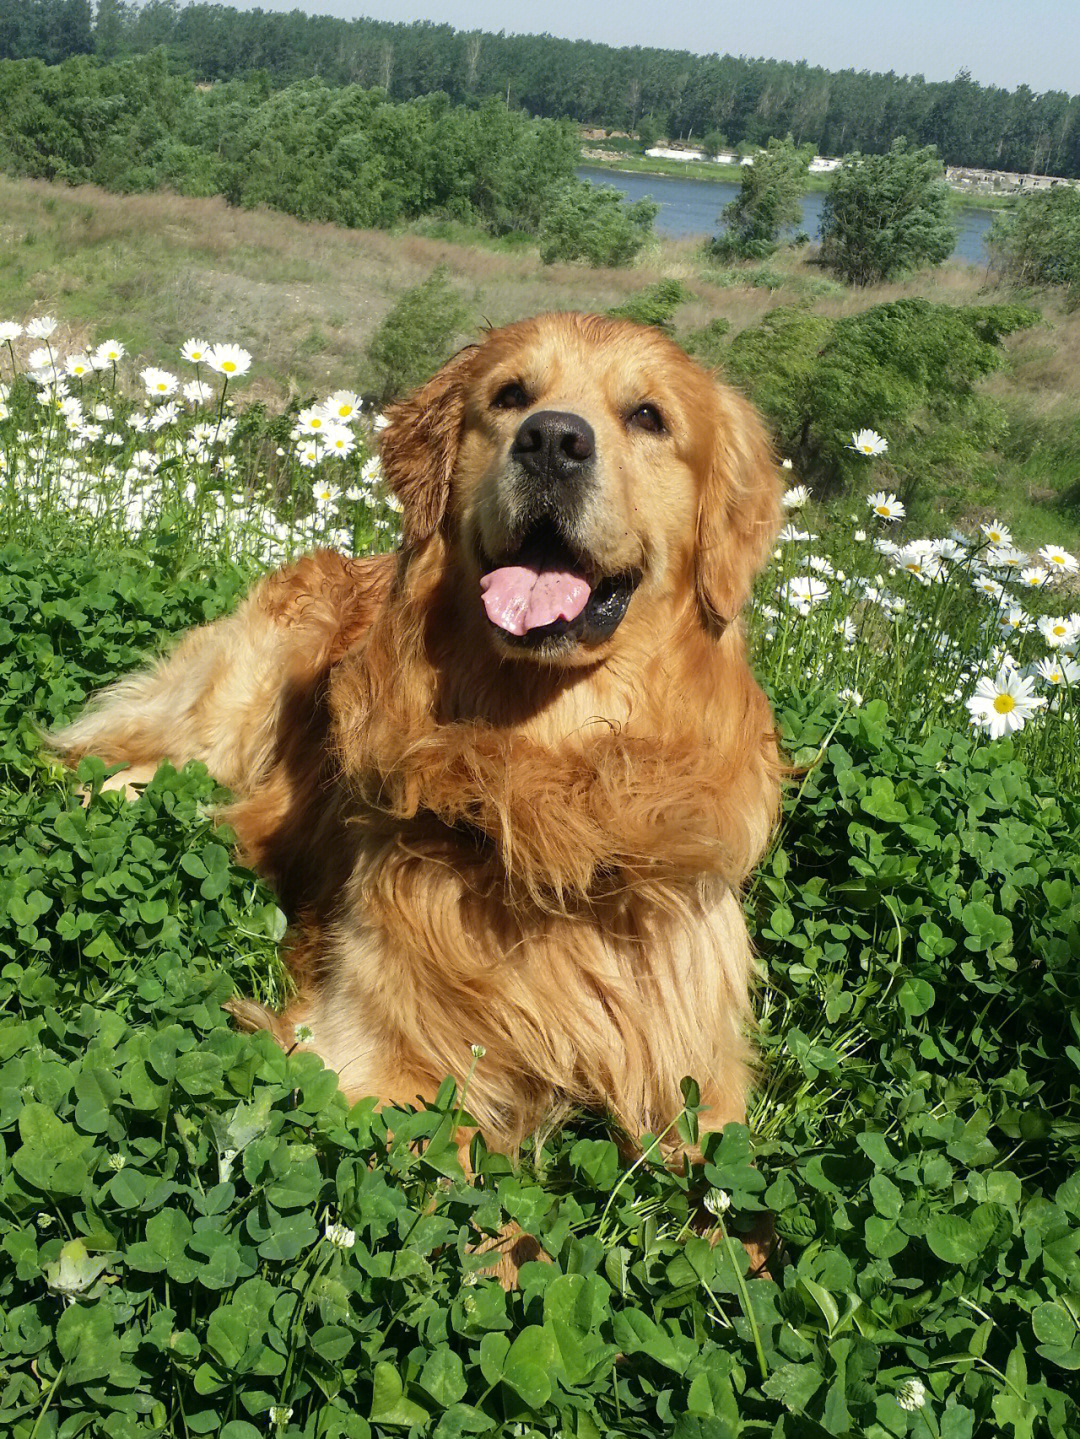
column 692, row 207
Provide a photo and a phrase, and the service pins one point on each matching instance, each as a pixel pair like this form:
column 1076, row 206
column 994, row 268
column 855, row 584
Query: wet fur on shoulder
column 541, row 855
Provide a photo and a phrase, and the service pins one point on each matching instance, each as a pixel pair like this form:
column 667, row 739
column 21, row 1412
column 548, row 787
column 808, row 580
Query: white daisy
column 1058, row 561
column 1004, row 703
column 796, row 498
column 868, row 442
column 886, row 506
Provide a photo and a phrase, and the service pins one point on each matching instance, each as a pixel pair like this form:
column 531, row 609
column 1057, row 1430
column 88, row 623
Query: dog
column 509, row 780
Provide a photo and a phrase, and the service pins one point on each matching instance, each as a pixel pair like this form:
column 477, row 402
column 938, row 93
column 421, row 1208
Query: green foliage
column 769, row 201
column 648, row 131
column 655, row 305
column 909, row 367
column 166, row 1184
column 1038, row 241
column 708, row 345
column 886, row 214
column 416, row 337
column 321, row 153
column 714, row 144
column 586, row 222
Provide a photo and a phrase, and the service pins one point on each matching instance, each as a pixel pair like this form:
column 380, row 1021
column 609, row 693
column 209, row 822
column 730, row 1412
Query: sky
column 1001, row 42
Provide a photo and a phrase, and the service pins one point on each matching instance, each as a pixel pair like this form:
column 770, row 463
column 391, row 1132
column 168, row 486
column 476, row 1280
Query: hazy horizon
column 999, row 42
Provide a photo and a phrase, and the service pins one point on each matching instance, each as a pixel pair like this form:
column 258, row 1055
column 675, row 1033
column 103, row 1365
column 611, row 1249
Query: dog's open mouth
column 544, row 591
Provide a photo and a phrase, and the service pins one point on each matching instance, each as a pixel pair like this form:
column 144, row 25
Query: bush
column 708, row 345
column 593, row 223
column 648, row 131
column 1038, row 242
column 654, row 305
column 769, row 200
column 416, row 337
column 908, row 368
column 886, row 214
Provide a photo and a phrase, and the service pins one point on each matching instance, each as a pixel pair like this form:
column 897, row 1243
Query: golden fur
column 477, row 846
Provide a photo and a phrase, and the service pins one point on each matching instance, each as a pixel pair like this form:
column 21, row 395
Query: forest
column 746, row 100
column 314, row 151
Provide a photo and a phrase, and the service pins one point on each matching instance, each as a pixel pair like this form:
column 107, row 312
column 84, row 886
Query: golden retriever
column 509, row 780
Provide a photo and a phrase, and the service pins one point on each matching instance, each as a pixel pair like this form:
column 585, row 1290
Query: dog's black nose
column 555, row 444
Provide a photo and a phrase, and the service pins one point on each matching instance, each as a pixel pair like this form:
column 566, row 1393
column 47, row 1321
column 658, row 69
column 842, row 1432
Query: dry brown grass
column 306, row 298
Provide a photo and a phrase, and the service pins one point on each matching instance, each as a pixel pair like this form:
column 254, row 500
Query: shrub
column 708, row 345
column 654, row 305
column 886, row 214
column 416, row 337
column 593, row 223
column 648, row 131
column 909, row 367
column 769, row 200
column 1038, row 242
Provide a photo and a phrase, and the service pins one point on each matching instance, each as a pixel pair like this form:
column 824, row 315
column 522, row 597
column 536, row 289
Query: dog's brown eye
column 510, row 397
column 647, row 417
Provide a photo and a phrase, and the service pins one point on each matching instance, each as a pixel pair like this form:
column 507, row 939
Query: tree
column 648, row 131
column 714, row 144
column 769, row 200
column 593, row 223
column 886, row 214
column 1038, row 242
column 416, row 337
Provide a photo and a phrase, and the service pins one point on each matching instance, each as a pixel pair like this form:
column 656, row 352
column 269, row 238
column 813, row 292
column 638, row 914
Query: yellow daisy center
column 1004, row 703
column 1059, row 629
column 881, row 510
column 228, row 366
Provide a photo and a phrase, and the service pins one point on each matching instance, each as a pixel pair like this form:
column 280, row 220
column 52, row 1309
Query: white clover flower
column 477, row 1051
column 109, row 352
column 796, row 498
column 194, row 351
column 1058, row 630
column 868, row 442
column 886, row 506
column 911, row 1395
column 279, row 1415
column 41, row 328
column 117, row 1161
column 717, row 1202
column 1003, row 704
column 9, row 331
column 852, row 697
column 228, row 360
column 303, row 1034
column 338, row 1234
column 1058, row 561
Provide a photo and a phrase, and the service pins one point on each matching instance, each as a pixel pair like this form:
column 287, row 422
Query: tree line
column 745, row 100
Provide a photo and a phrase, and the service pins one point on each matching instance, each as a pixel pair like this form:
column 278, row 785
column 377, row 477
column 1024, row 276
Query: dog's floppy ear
column 419, row 446
column 739, row 512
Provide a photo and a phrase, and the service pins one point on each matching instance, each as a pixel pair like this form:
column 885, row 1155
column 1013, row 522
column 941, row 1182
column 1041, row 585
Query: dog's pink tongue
column 519, row 598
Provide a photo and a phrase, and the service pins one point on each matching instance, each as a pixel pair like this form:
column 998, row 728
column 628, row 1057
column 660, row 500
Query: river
column 692, row 207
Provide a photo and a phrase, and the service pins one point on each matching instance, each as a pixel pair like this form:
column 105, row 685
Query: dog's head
column 582, row 468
